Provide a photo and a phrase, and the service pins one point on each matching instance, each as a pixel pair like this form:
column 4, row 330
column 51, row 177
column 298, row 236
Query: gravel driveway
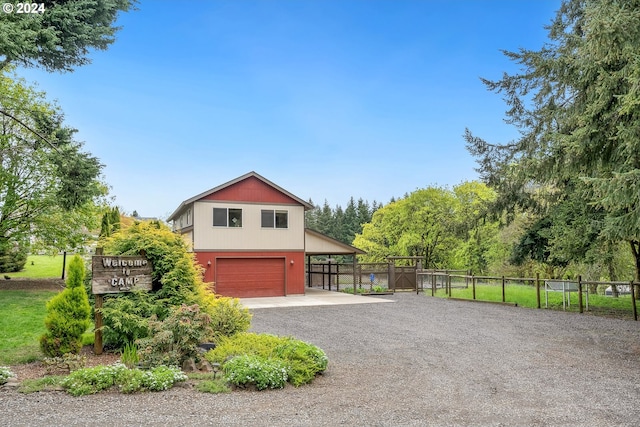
column 418, row 361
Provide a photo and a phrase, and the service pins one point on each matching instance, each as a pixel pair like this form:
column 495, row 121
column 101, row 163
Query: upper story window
column 274, row 219
column 227, row 217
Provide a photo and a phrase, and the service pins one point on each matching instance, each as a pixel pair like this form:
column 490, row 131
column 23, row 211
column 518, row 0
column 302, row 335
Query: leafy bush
column 175, row 339
column 5, row 374
column 13, row 257
column 177, row 280
column 261, row 372
column 228, row 317
column 67, row 315
column 126, row 317
column 243, row 343
column 303, row 360
column 92, row 380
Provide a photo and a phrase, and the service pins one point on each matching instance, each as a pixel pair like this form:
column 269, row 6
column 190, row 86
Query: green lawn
column 40, row 267
column 22, row 316
column 525, row 296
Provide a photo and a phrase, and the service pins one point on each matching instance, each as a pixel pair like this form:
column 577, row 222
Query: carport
column 320, row 245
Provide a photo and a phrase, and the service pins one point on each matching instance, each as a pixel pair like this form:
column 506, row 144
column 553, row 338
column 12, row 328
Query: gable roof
column 175, row 214
column 316, row 243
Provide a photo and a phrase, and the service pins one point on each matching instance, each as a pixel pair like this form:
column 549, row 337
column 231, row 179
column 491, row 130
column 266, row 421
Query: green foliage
column 48, row 383
column 93, row 380
column 252, row 370
column 243, row 343
column 432, row 223
column 337, row 223
column 177, row 280
column 302, row 361
column 67, row 314
column 130, row 356
column 13, row 257
column 176, row 338
column 126, row 317
column 110, row 222
column 5, row 374
column 60, row 37
column 228, row 317
column 48, row 185
column 214, row 386
column 575, row 104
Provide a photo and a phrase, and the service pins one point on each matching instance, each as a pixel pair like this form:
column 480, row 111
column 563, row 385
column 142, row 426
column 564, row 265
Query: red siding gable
column 253, row 190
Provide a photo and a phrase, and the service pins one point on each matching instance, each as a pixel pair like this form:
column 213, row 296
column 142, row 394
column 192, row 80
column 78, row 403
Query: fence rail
column 373, row 277
column 437, row 279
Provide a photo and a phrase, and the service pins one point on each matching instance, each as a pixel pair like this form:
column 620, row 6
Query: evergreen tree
column 60, row 37
column 350, row 224
column 576, row 105
column 68, row 314
column 110, row 222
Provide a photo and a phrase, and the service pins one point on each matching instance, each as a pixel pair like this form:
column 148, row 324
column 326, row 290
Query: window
column 227, row 217
column 274, row 219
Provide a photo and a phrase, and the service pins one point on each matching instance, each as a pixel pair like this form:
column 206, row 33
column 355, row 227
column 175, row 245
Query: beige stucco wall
column 251, row 236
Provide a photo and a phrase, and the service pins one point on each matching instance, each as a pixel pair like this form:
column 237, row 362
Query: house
column 249, row 236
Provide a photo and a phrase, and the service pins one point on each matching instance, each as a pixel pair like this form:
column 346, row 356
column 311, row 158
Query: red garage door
column 250, row 277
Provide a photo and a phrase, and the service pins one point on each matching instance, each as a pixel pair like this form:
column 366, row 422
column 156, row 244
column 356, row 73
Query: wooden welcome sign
column 113, row 275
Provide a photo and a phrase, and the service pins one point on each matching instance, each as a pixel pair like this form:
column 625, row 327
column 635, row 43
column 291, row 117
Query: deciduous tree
column 44, row 174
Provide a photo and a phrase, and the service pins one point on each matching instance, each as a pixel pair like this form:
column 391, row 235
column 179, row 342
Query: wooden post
column 97, row 343
column 580, row 308
column 473, row 285
column 633, row 301
column 538, row 289
column 355, row 265
column 433, row 285
column 503, row 296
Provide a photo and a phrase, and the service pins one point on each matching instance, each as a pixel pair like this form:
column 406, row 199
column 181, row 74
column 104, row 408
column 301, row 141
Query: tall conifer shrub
column 68, row 314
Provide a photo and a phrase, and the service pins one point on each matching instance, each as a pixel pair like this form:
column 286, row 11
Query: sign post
column 113, row 275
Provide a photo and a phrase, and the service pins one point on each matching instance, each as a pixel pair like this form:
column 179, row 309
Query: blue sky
column 328, row 99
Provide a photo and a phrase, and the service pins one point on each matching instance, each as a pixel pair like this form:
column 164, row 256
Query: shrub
column 5, row 374
column 126, row 317
column 243, row 343
column 13, row 257
column 261, row 372
column 176, row 276
column 175, row 339
column 228, row 317
column 67, row 315
column 92, row 380
column 303, row 360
